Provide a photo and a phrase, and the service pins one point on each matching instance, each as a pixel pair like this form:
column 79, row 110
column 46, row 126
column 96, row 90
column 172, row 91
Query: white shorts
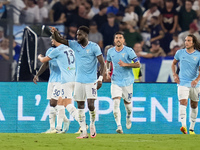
column 53, row 90
column 67, row 90
column 191, row 93
column 85, row 90
column 126, row 92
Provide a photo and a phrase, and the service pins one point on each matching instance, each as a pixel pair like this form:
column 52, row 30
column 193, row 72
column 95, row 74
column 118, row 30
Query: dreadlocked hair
column 195, row 41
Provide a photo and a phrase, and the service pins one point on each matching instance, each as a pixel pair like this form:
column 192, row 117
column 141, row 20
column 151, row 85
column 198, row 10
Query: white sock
column 73, row 111
column 81, row 113
column 193, row 117
column 52, row 117
column 117, row 112
column 92, row 117
column 60, row 117
column 65, row 119
column 183, row 115
column 128, row 109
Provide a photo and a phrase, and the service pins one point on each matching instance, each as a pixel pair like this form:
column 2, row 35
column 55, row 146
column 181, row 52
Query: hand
column 53, row 29
column 172, row 31
column 40, row 56
column 176, row 78
column 121, row 63
column 99, row 84
column 194, row 83
column 35, row 79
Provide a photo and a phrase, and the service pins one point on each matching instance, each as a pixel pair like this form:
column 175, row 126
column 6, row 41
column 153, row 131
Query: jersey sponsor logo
column 68, row 68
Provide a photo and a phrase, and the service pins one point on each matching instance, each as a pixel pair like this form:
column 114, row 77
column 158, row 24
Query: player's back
column 66, row 61
column 86, row 61
column 55, row 75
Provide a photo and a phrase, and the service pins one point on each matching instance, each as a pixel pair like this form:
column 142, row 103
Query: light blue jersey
column 189, row 66
column 66, row 61
column 86, row 61
column 55, row 74
column 122, row 76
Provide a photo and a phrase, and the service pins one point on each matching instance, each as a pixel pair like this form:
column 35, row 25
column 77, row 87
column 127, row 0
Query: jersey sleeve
column 48, row 51
column 97, row 50
column 53, row 54
column 108, row 56
column 132, row 54
column 177, row 55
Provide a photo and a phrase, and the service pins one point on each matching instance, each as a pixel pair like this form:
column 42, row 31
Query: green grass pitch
column 31, row 141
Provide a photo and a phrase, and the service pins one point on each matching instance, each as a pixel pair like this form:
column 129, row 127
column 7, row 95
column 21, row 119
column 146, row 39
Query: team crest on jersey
column 195, row 58
column 87, row 50
column 123, row 54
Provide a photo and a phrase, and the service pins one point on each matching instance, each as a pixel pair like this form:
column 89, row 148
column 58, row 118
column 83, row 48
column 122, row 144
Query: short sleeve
column 108, row 56
column 53, row 54
column 177, row 55
column 132, row 54
column 97, row 50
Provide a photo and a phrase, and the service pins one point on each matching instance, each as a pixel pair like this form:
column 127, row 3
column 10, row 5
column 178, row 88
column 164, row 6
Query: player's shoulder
column 72, row 42
column 93, row 44
column 198, row 51
column 112, row 49
column 129, row 49
column 180, row 51
column 49, row 50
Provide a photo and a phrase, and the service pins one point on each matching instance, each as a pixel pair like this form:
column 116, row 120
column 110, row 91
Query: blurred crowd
column 152, row 28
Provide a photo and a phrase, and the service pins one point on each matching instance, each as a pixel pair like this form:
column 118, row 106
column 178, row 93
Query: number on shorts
column 56, row 92
column 94, row 91
column 70, row 56
column 130, row 95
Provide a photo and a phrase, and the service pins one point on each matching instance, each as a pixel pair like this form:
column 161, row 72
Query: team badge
column 195, row 58
column 123, row 54
column 87, row 50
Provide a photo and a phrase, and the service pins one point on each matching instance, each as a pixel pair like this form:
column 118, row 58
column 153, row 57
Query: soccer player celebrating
column 65, row 59
column 87, row 53
column 188, row 80
column 53, row 86
column 122, row 79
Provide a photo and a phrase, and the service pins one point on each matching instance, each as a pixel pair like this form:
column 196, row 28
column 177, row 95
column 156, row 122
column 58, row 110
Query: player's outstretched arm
column 43, row 67
column 102, row 70
column 43, row 59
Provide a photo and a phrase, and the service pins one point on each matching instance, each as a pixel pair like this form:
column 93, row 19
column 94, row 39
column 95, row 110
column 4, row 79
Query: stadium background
column 24, row 109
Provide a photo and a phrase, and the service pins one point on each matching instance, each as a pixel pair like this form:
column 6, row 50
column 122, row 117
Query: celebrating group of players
column 73, row 72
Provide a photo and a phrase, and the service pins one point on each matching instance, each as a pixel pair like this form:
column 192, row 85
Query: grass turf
column 31, row 141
